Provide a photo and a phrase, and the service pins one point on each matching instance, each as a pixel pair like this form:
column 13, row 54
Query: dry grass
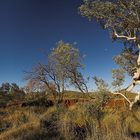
column 82, row 121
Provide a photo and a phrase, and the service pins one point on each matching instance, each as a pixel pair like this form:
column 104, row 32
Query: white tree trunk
column 136, row 81
column 136, row 76
column 138, row 60
column 131, row 103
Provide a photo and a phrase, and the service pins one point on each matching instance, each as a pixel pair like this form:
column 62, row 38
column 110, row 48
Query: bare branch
column 117, row 93
column 124, row 37
column 131, row 103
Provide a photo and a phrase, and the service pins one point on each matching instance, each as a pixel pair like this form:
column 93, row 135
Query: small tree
column 77, row 79
column 118, row 78
column 63, row 60
column 42, row 74
column 15, row 87
column 34, row 86
column 102, row 91
column 5, row 88
column 101, row 84
column 64, row 63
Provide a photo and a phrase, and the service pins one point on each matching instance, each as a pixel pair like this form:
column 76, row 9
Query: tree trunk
column 131, row 103
column 61, row 91
column 136, row 81
column 63, row 88
column 136, row 77
column 138, row 60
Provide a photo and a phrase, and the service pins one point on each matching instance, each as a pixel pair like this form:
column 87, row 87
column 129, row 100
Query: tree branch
column 131, row 103
column 125, row 37
column 117, row 93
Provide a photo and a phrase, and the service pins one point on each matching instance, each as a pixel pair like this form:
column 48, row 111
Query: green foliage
column 127, row 59
column 118, row 78
column 77, row 79
column 119, row 15
column 122, row 19
column 65, row 55
column 101, row 84
column 5, row 88
column 65, row 60
column 63, row 68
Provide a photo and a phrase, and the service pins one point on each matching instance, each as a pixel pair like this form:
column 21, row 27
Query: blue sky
column 30, row 27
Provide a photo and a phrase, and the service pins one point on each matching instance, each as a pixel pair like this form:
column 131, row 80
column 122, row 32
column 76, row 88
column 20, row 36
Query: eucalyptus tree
column 122, row 19
column 127, row 60
column 42, row 74
column 101, row 84
column 63, row 67
column 118, row 78
column 66, row 62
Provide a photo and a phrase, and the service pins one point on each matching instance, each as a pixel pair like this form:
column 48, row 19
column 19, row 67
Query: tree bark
column 138, row 60
column 131, row 103
column 136, row 76
column 63, row 89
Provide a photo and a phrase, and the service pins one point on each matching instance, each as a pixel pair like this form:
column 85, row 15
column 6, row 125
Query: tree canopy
column 127, row 59
column 63, row 67
column 120, row 17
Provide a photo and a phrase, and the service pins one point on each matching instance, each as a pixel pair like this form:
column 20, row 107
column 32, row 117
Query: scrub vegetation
column 57, row 103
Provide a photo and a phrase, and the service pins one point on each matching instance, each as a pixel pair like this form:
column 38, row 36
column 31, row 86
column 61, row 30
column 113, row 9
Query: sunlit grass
column 80, row 121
